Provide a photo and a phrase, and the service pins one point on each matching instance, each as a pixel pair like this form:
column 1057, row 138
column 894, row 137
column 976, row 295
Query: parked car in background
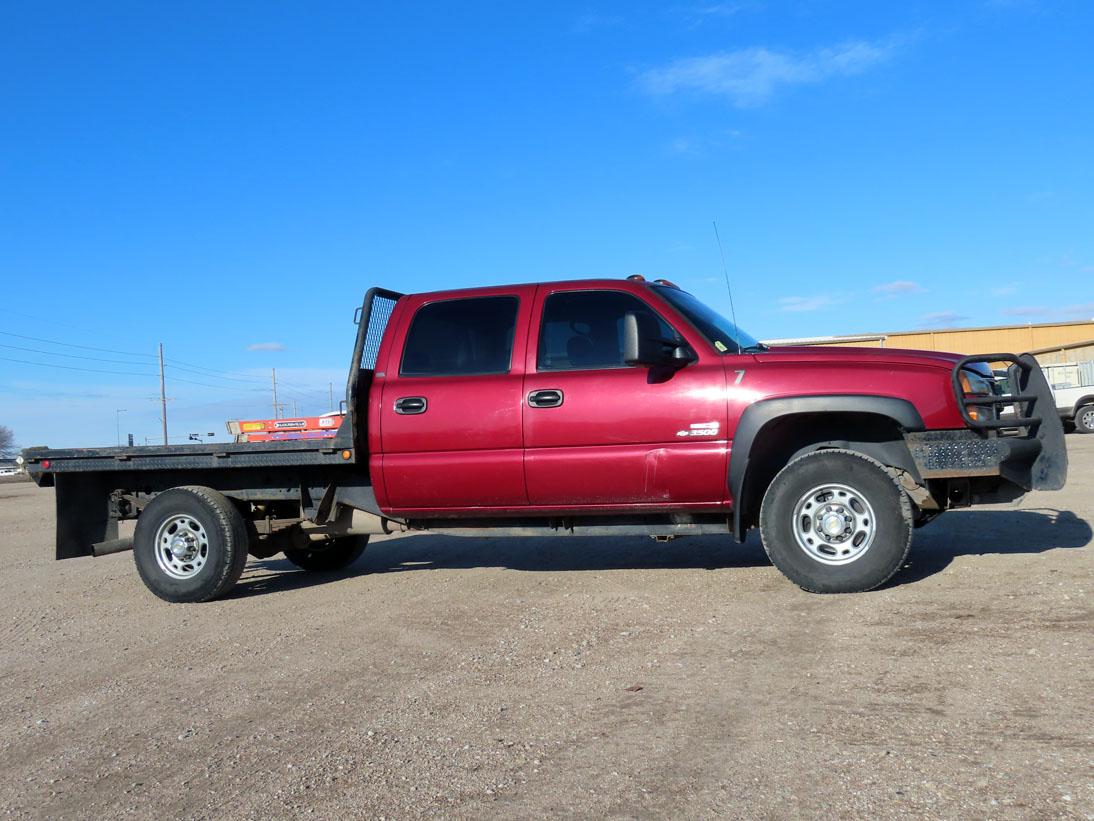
column 1072, row 386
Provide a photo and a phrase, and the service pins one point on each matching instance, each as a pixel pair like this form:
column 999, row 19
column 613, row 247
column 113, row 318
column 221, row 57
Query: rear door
column 599, row 433
column 450, row 420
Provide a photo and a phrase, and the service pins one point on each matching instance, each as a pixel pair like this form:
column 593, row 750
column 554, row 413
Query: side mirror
column 651, row 351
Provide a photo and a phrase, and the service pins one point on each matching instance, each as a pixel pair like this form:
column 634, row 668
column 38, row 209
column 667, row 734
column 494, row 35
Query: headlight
column 973, row 384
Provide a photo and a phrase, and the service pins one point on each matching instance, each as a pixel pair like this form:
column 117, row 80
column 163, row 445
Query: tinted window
column 461, row 337
column 723, row 334
column 584, row 329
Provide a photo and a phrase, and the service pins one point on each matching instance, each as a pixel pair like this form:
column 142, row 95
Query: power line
column 73, row 368
column 236, row 377
column 187, row 366
column 217, row 387
column 73, row 345
column 70, row 355
column 308, row 394
column 208, row 375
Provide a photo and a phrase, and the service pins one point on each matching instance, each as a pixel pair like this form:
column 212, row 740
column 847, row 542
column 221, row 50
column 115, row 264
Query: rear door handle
column 547, row 398
column 411, row 405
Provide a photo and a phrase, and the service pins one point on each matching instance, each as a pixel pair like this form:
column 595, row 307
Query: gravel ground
column 575, row 677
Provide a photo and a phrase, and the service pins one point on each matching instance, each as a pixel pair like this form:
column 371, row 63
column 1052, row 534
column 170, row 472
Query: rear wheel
column 190, row 544
column 1084, row 419
column 333, row 554
column 834, row 521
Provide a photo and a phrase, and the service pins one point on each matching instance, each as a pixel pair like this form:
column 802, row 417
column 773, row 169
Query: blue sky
column 221, row 176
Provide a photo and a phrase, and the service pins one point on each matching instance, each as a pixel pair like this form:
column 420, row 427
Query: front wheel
column 1084, row 419
column 833, row 521
column 333, row 554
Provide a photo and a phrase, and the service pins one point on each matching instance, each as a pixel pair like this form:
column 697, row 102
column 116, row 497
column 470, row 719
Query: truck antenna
column 725, row 272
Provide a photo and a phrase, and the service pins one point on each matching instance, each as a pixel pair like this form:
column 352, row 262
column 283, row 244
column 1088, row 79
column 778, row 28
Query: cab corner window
column 461, row 337
column 583, row 330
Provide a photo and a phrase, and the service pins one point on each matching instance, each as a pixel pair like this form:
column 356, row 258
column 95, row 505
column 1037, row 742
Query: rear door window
column 461, row 337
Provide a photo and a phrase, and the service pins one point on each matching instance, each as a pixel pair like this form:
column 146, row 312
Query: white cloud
column 941, row 319
column 1026, row 311
column 1077, row 311
column 801, row 304
column 1083, row 311
column 1009, row 289
column 720, row 9
column 691, row 146
column 683, row 145
column 591, row 20
column 266, row 346
column 900, row 287
column 750, row 76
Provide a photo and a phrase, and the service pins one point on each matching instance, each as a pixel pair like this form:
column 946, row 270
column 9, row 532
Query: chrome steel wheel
column 834, row 524
column 1086, row 418
column 182, row 547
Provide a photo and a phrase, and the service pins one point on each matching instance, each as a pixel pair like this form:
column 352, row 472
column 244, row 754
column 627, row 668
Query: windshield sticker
column 718, row 344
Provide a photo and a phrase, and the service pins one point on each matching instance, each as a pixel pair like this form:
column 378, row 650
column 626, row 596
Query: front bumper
column 1026, row 450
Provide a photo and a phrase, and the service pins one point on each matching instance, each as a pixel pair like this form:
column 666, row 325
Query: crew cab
column 592, row 407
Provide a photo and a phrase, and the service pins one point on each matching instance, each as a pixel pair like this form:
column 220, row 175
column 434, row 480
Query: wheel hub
column 182, row 546
column 834, row 524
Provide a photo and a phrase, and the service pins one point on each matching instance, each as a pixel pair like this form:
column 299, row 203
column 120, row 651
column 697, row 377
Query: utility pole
column 163, row 397
column 294, row 411
column 118, row 422
column 330, row 387
column 276, row 406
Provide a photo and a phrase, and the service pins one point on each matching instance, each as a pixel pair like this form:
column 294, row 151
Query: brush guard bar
column 1024, row 373
column 1027, row 448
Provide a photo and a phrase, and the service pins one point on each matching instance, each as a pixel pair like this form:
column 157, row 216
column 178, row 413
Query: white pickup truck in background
column 1072, row 385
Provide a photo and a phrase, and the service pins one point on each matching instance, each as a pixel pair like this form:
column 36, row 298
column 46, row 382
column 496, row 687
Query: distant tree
column 8, row 448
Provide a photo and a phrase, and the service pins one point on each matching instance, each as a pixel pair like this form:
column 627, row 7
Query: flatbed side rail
column 181, row 457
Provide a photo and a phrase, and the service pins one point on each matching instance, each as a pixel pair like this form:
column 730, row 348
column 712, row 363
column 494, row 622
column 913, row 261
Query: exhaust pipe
column 113, row 546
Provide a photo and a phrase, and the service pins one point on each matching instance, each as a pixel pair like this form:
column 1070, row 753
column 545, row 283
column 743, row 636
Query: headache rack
column 1024, row 378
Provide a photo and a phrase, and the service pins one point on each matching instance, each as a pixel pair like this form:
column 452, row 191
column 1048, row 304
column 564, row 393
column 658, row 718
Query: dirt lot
column 463, row 677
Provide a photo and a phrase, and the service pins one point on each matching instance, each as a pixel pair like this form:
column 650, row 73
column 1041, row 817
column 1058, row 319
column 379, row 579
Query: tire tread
column 906, row 511
column 233, row 528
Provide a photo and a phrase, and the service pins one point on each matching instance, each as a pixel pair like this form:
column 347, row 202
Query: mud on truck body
column 583, row 408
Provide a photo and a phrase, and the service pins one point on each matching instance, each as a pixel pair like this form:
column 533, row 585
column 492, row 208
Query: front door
column 599, row 433
column 450, row 421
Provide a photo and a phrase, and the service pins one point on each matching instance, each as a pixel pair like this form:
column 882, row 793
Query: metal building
column 1050, row 342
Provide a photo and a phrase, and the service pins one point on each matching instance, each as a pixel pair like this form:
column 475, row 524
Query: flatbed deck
column 187, row 457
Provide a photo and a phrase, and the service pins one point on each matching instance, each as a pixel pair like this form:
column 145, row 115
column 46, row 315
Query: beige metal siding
column 1006, row 339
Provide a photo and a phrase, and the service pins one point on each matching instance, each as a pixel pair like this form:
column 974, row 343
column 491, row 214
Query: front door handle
column 411, row 405
column 547, row 398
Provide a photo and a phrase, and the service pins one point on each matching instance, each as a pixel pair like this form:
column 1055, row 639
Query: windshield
column 718, row 330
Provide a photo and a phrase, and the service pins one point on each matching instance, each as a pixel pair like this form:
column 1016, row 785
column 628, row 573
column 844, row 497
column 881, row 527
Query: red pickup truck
column 593, row 407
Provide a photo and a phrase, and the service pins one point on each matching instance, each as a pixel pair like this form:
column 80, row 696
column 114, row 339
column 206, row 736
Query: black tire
column 808, row 557
column 216, row 532
column 334, row 554
column 1084, row 419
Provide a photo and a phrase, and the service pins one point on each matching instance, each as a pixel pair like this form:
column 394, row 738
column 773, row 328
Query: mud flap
column 85, row 514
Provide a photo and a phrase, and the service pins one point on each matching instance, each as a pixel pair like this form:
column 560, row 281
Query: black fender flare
column 1084, row 401
column 759, row 414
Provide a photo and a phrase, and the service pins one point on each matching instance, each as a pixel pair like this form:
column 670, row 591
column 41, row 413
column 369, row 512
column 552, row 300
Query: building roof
column 882, row 337
column 820, row 340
